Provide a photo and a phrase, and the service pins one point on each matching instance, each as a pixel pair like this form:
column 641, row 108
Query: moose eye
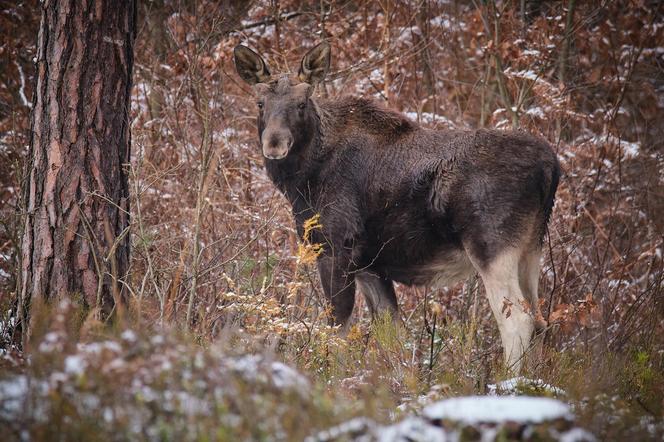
column 301, row 106
column 259, row 104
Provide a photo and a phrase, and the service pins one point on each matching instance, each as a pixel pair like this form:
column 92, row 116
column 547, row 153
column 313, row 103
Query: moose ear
column 315, row 64
column 250, row 65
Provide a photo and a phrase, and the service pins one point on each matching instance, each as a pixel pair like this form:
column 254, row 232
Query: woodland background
column 214, row 252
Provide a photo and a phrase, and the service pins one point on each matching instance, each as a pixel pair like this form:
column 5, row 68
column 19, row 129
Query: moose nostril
column 274, row 142
column 279, row 140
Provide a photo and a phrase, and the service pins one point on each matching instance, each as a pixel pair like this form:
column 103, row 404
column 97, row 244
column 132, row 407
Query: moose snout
column 277, row 145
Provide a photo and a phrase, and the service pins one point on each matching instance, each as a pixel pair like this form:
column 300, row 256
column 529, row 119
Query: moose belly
column 442, row 270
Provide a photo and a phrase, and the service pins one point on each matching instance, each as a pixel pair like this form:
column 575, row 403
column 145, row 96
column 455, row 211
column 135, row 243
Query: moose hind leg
column 501, row 280
column 529, row 273
column 529, row 269
column 379, row 294
column 339, row 288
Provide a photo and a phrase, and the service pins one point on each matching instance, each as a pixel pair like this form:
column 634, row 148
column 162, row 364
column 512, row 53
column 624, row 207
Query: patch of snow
column 630, row 149
column 442, row 21
column 89, row 401
column 97, row 348
column 512, row 386
column 157, row 339
column 229, row 132
column 502, row 124
column 108, row 415
column 535, row 112
column 128, row 335
column 576, row 435
column 256, row 368
column 51, row 342
column 74, row 364
column 354, row 426
column 526, row 74
column 430, row 118
column 485, row 414
column 495, row 409
column 410, row 429
column 284, row 376
column 192, row 405
column 12, row 394
column 376, row 75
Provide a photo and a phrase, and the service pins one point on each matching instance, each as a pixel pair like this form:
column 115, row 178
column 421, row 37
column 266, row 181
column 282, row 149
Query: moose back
column 398, row 202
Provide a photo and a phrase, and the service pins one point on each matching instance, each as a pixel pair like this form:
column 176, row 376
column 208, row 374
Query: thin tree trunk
column 428, row 76
column 490, row 15
column 156, row 34
column 564, row 61
column 76, row 194
column 385, row 44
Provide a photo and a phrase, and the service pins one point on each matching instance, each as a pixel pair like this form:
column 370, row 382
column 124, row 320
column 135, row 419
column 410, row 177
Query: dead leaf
column 507, row 307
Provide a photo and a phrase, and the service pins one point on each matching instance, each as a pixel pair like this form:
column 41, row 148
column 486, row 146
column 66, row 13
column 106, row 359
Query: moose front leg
column 379, row 294
column 339, row 287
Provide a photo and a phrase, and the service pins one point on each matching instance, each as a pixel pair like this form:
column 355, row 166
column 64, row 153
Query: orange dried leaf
column 507, row 307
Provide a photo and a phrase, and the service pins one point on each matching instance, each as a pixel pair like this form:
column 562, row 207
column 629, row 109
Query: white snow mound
column 492, row 409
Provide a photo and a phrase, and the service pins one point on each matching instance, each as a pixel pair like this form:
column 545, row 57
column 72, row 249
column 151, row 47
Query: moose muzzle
column 276, row 144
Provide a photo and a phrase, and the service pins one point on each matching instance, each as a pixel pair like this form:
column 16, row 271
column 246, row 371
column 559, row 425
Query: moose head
column 285, row 111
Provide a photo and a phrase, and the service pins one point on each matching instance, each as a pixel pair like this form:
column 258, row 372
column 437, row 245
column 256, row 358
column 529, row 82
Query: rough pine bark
column 76, row 195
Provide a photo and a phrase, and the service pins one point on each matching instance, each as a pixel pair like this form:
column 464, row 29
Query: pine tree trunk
column 76, row 194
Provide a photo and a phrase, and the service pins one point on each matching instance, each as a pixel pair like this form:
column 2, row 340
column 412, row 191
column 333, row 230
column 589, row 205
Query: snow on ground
column 527, row 74
column 411, row 429
column 257, row 368
column 481, row 418
column 74, row 364
column 441, row 21
column 430, row 118
column 12, row 395
column 487, row 417
column 492, row 409
column 630, row 149
column 519, row 384
column 358, row 425
column 156, row 377
column 535, row 112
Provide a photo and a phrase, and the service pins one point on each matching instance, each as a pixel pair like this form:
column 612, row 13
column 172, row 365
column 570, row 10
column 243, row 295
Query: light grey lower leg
column 502, row 282
column 378, row 292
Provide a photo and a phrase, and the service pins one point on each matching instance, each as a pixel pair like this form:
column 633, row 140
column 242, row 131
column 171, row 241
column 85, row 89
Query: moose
column 400, row 202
